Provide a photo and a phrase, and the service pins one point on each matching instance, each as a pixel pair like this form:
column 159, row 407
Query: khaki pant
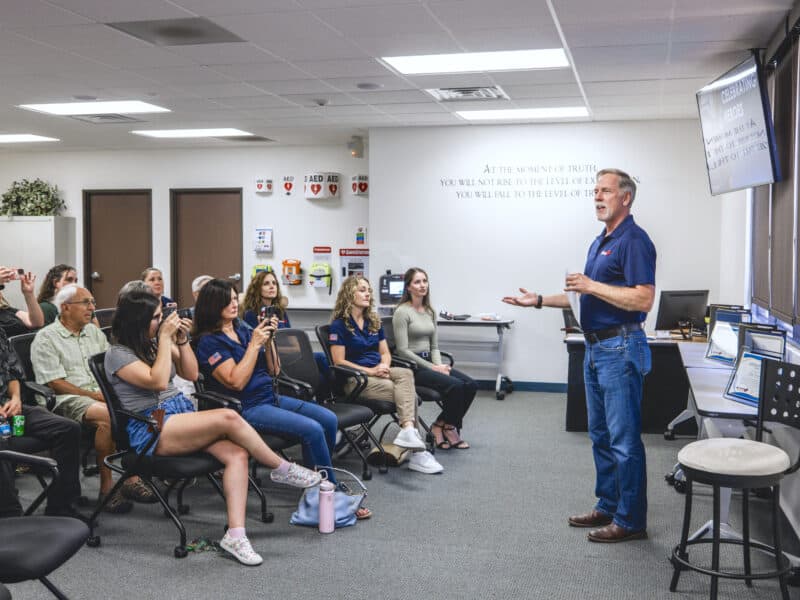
column 398, row 388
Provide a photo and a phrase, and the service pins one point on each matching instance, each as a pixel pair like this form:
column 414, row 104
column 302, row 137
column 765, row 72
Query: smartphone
column 185, row 313
column 271, row 312
column 20, row 271
column 168, row 310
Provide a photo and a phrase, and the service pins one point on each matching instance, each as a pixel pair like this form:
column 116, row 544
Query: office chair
column 299, row 370
column 128, row 463
column 378, row 407
column 34, row 547
column 745, row 465
column 21, row 344
column 104, row 316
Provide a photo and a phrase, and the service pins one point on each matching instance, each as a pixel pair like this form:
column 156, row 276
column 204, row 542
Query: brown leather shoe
column 613, row 533
column 594, row 518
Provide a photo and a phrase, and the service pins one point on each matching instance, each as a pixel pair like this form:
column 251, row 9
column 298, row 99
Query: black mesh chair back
column 297, row 356
column 21, row 344
column 119, row 422
column 104, row 316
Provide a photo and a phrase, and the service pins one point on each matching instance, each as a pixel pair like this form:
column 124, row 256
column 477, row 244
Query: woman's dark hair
column 407, row 279
column 131, row 324
column 48, row 289
column 211, row 300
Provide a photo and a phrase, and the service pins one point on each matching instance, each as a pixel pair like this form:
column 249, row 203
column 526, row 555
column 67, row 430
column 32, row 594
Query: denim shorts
column 139, row 434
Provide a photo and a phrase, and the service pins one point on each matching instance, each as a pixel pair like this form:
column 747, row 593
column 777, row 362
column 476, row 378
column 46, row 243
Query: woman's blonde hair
column 344, row 304
column 253, row 300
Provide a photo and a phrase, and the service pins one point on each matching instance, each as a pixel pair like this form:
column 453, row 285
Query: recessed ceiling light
column 192, row 133
column 18, row 138
column 475, row 62
column 524, row 114
column 125, row 107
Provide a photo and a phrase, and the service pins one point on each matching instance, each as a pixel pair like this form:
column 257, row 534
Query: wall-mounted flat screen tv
column 738, row 133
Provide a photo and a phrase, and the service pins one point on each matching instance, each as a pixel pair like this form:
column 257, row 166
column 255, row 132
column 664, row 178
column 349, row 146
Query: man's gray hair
column 199, row 281
column 626, row 182
column 137, row 285
column 65, row 294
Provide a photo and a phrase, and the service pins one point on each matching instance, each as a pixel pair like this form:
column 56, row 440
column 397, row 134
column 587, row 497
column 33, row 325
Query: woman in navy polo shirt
column 238, row 360
column 265, row 291
column 357, row 341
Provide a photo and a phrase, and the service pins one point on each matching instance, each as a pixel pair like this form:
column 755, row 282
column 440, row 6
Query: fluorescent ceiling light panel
column 124, row 107
column 19, row 138
column 524, row 114
column 192, row 133
column 478, row 62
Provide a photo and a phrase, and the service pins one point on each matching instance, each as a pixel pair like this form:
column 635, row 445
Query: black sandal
column 455, row 441
column 441, row 442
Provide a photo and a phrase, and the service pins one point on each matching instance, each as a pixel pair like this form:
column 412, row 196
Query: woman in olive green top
column 414, row 323
column 56, row 278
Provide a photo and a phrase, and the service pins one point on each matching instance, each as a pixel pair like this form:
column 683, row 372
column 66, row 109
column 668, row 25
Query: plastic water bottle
column 5, row 429
column 326, row 510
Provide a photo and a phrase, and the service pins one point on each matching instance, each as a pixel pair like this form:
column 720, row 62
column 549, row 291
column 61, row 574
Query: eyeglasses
column 85, row 302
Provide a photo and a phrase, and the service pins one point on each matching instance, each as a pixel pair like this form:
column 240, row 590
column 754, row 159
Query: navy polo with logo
column 626, row 257
column 360, row 345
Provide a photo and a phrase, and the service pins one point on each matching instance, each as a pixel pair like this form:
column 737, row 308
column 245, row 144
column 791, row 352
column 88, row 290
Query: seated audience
column 15, row 321
column 60, row 354
column 197, row 285
column 357, row 341
column 146, row 354
column 155, row 279
column 61, row 436
column 416, row 339
column 56, row 278
column 237, row 360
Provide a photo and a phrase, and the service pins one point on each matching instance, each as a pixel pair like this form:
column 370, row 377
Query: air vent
column 460, row 94
column 245, row 138
column 177, row 32
column 106, row 119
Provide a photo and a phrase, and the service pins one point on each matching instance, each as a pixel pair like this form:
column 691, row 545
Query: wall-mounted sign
column 359, row 185
column 321, row 185
column 288, row 184
column 263, row 185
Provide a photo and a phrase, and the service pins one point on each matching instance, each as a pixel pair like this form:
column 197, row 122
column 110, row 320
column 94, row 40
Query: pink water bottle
column 326, row 509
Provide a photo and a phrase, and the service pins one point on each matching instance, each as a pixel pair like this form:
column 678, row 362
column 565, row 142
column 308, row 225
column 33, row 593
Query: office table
column 474, row 351
column 663, row 396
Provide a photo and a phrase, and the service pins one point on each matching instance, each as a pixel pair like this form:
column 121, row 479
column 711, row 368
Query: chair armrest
column 404, row 363
column 448, row 356
column 361, row 380
column 302, row 389
column 137, row 417
column 30, row 459
column 217, row 400
column 44, row 391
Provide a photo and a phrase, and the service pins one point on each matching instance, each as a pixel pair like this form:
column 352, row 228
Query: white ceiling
column 631, row 59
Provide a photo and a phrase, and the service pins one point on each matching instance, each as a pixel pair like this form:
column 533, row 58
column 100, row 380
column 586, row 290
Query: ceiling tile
column 108, row 11
column 215, row 8
column 395, row 97
column 406, row 43
column 326, row 69
column 389, row 19
column 224, row 54
column 36, row 13
column 470, row 15
column 182, row 75
column 267, row 71
column 330, row 98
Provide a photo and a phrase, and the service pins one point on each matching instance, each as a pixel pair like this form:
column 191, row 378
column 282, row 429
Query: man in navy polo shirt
column 617, row 289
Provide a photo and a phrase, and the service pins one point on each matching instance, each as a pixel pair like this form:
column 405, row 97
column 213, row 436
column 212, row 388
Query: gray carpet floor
column 493, row 525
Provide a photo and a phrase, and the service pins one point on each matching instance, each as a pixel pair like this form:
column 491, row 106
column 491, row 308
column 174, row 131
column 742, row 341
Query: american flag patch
column 214, row 358
column 332, row 337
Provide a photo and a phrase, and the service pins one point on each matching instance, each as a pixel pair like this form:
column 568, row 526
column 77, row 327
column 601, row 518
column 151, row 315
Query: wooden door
column 206, row 238
column 117, row 226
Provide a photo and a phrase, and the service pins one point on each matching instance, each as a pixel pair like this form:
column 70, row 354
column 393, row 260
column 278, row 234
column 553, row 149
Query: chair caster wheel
column 366, row 475
column 680, row 486
column 670, row 478
column 268, row 518
column 383, row 470
column 183, row 509
column 180, row 552
column 501, row 395
column 82, row 501
column 93, row 541
column 669, row 435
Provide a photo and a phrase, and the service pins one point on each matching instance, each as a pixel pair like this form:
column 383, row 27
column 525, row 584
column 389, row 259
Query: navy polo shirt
column 626, row 257
column 251, row 318
column 360, row 346
column 213, row 349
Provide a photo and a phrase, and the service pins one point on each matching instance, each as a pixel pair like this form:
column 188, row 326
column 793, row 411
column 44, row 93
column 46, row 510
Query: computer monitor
column 682, row 309
column 391, row 287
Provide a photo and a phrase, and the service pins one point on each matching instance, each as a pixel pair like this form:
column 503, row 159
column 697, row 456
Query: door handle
column 235, row 277
column 95, row 275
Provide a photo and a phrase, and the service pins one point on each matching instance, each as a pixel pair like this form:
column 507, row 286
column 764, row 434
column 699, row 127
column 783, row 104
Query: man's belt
column 603, row 334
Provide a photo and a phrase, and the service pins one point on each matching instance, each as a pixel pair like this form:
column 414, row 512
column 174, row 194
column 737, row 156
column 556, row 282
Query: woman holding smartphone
column 241, row 362
column 141, row 365
column 416, row 339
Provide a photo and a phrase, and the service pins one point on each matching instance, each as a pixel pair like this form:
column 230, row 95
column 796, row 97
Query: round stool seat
column 735, row 457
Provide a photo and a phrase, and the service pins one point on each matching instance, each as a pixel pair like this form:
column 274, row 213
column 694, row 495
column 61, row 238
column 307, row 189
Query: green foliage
column 35, row 198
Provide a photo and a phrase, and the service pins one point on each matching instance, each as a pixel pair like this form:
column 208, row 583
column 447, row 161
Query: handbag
column 347, row 499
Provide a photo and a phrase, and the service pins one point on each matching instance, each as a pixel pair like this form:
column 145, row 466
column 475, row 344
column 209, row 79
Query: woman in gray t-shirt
column 148, row 350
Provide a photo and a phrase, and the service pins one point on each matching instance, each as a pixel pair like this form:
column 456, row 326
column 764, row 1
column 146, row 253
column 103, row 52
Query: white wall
column 478, row 249
column 298, row 224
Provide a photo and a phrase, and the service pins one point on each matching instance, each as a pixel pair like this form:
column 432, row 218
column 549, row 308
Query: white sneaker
column 424, row 463
column 297, row 476
column 409, row 438
column 241, row 550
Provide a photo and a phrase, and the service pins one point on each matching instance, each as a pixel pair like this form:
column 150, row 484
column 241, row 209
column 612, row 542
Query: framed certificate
column 745, row 381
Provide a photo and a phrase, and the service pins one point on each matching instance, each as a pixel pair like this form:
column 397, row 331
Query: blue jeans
column 614, row 371
column 313, row 424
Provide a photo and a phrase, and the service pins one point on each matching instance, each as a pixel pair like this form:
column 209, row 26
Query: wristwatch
column 539, row 302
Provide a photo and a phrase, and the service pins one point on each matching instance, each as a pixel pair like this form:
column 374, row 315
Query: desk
column 473, row 351
column 665, row 387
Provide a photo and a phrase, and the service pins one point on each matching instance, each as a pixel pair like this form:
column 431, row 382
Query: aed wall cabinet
column 35, row 244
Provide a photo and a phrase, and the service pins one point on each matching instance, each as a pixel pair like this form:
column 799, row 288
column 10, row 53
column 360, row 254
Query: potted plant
column 35, row 198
